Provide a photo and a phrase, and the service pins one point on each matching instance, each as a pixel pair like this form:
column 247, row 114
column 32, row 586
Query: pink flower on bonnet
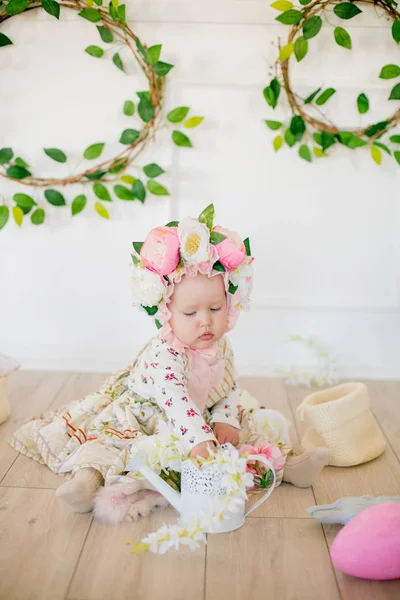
column 160, row 251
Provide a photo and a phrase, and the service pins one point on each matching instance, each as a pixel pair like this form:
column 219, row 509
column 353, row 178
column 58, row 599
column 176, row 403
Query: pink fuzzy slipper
column 126, row 502
column 112, row 501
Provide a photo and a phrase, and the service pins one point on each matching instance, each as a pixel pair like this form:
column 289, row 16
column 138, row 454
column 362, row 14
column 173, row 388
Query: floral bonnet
column 188, row 248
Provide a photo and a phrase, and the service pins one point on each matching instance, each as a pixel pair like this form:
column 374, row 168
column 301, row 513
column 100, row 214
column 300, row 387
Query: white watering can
column 199, row 485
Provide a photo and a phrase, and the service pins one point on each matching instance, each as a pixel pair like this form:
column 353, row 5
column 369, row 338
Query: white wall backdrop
column 325, row 236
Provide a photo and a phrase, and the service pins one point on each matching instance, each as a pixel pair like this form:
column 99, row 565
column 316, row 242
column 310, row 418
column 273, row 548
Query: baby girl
column 193, row 279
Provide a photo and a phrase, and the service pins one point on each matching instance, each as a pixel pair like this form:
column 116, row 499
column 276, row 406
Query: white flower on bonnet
column 194, row 238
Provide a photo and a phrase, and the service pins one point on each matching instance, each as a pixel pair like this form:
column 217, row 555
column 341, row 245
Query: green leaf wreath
column 111, row 25
column 304, row 129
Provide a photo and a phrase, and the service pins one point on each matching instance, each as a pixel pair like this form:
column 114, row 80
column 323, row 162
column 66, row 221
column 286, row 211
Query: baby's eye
column 216, row 309
column 190, row 314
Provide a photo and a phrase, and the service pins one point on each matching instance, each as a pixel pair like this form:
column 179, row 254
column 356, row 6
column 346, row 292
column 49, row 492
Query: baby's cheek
column 225, row 320
column 223, row 323
column 179, row 325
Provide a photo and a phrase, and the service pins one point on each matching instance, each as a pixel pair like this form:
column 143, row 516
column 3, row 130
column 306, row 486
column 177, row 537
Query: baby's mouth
column 207, row 335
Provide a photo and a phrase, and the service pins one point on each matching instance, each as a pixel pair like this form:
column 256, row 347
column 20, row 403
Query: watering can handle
column 269, row 491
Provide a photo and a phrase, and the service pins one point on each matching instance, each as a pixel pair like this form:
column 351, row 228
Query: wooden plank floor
column 48, row 552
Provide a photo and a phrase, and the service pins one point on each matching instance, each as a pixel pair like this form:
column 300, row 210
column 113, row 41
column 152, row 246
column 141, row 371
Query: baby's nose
column 206, row 319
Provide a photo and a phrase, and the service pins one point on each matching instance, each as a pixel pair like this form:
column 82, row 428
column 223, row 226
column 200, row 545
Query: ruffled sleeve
column 227, row 409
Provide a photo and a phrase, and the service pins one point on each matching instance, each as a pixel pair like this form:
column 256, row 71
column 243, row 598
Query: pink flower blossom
column 231, row 251
column 269, row 451
column 160, row 251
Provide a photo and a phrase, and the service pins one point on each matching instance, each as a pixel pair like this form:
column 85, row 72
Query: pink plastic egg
column 369, row 545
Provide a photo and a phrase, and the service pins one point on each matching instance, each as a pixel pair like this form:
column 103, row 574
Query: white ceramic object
column 199, row 485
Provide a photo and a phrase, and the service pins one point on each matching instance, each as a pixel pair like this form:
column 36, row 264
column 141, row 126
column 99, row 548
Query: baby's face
column 199, row 314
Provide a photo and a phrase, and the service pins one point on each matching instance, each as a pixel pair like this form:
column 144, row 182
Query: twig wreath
column 111, row 25
column 304, row 128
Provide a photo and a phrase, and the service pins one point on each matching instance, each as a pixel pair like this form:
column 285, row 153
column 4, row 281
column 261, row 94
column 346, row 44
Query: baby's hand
column 226, row 434
column 203, row 450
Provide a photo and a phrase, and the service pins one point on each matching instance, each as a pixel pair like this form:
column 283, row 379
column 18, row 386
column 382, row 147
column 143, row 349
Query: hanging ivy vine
column 308, row 124
column 112, row 28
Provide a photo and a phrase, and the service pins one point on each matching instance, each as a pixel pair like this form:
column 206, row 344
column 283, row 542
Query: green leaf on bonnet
column 216, row 238
column 137, row 246
column 232, row 288
column 219, row 267
column 151, row 310
column 207, row 216
column 246, row 243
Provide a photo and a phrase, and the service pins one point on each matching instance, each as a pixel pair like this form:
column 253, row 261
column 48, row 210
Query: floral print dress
column 104, row 429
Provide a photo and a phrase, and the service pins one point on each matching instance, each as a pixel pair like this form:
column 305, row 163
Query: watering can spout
column 138, row 464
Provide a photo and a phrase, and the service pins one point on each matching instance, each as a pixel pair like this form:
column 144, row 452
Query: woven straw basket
column 4, row 405
column 341, row 419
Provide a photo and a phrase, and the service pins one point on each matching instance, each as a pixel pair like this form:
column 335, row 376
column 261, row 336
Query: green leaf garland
column 307, row 121
column 100, row 170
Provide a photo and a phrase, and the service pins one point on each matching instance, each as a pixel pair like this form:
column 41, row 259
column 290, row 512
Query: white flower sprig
column 326, row 372
column 169, row 537
column 163, row 451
